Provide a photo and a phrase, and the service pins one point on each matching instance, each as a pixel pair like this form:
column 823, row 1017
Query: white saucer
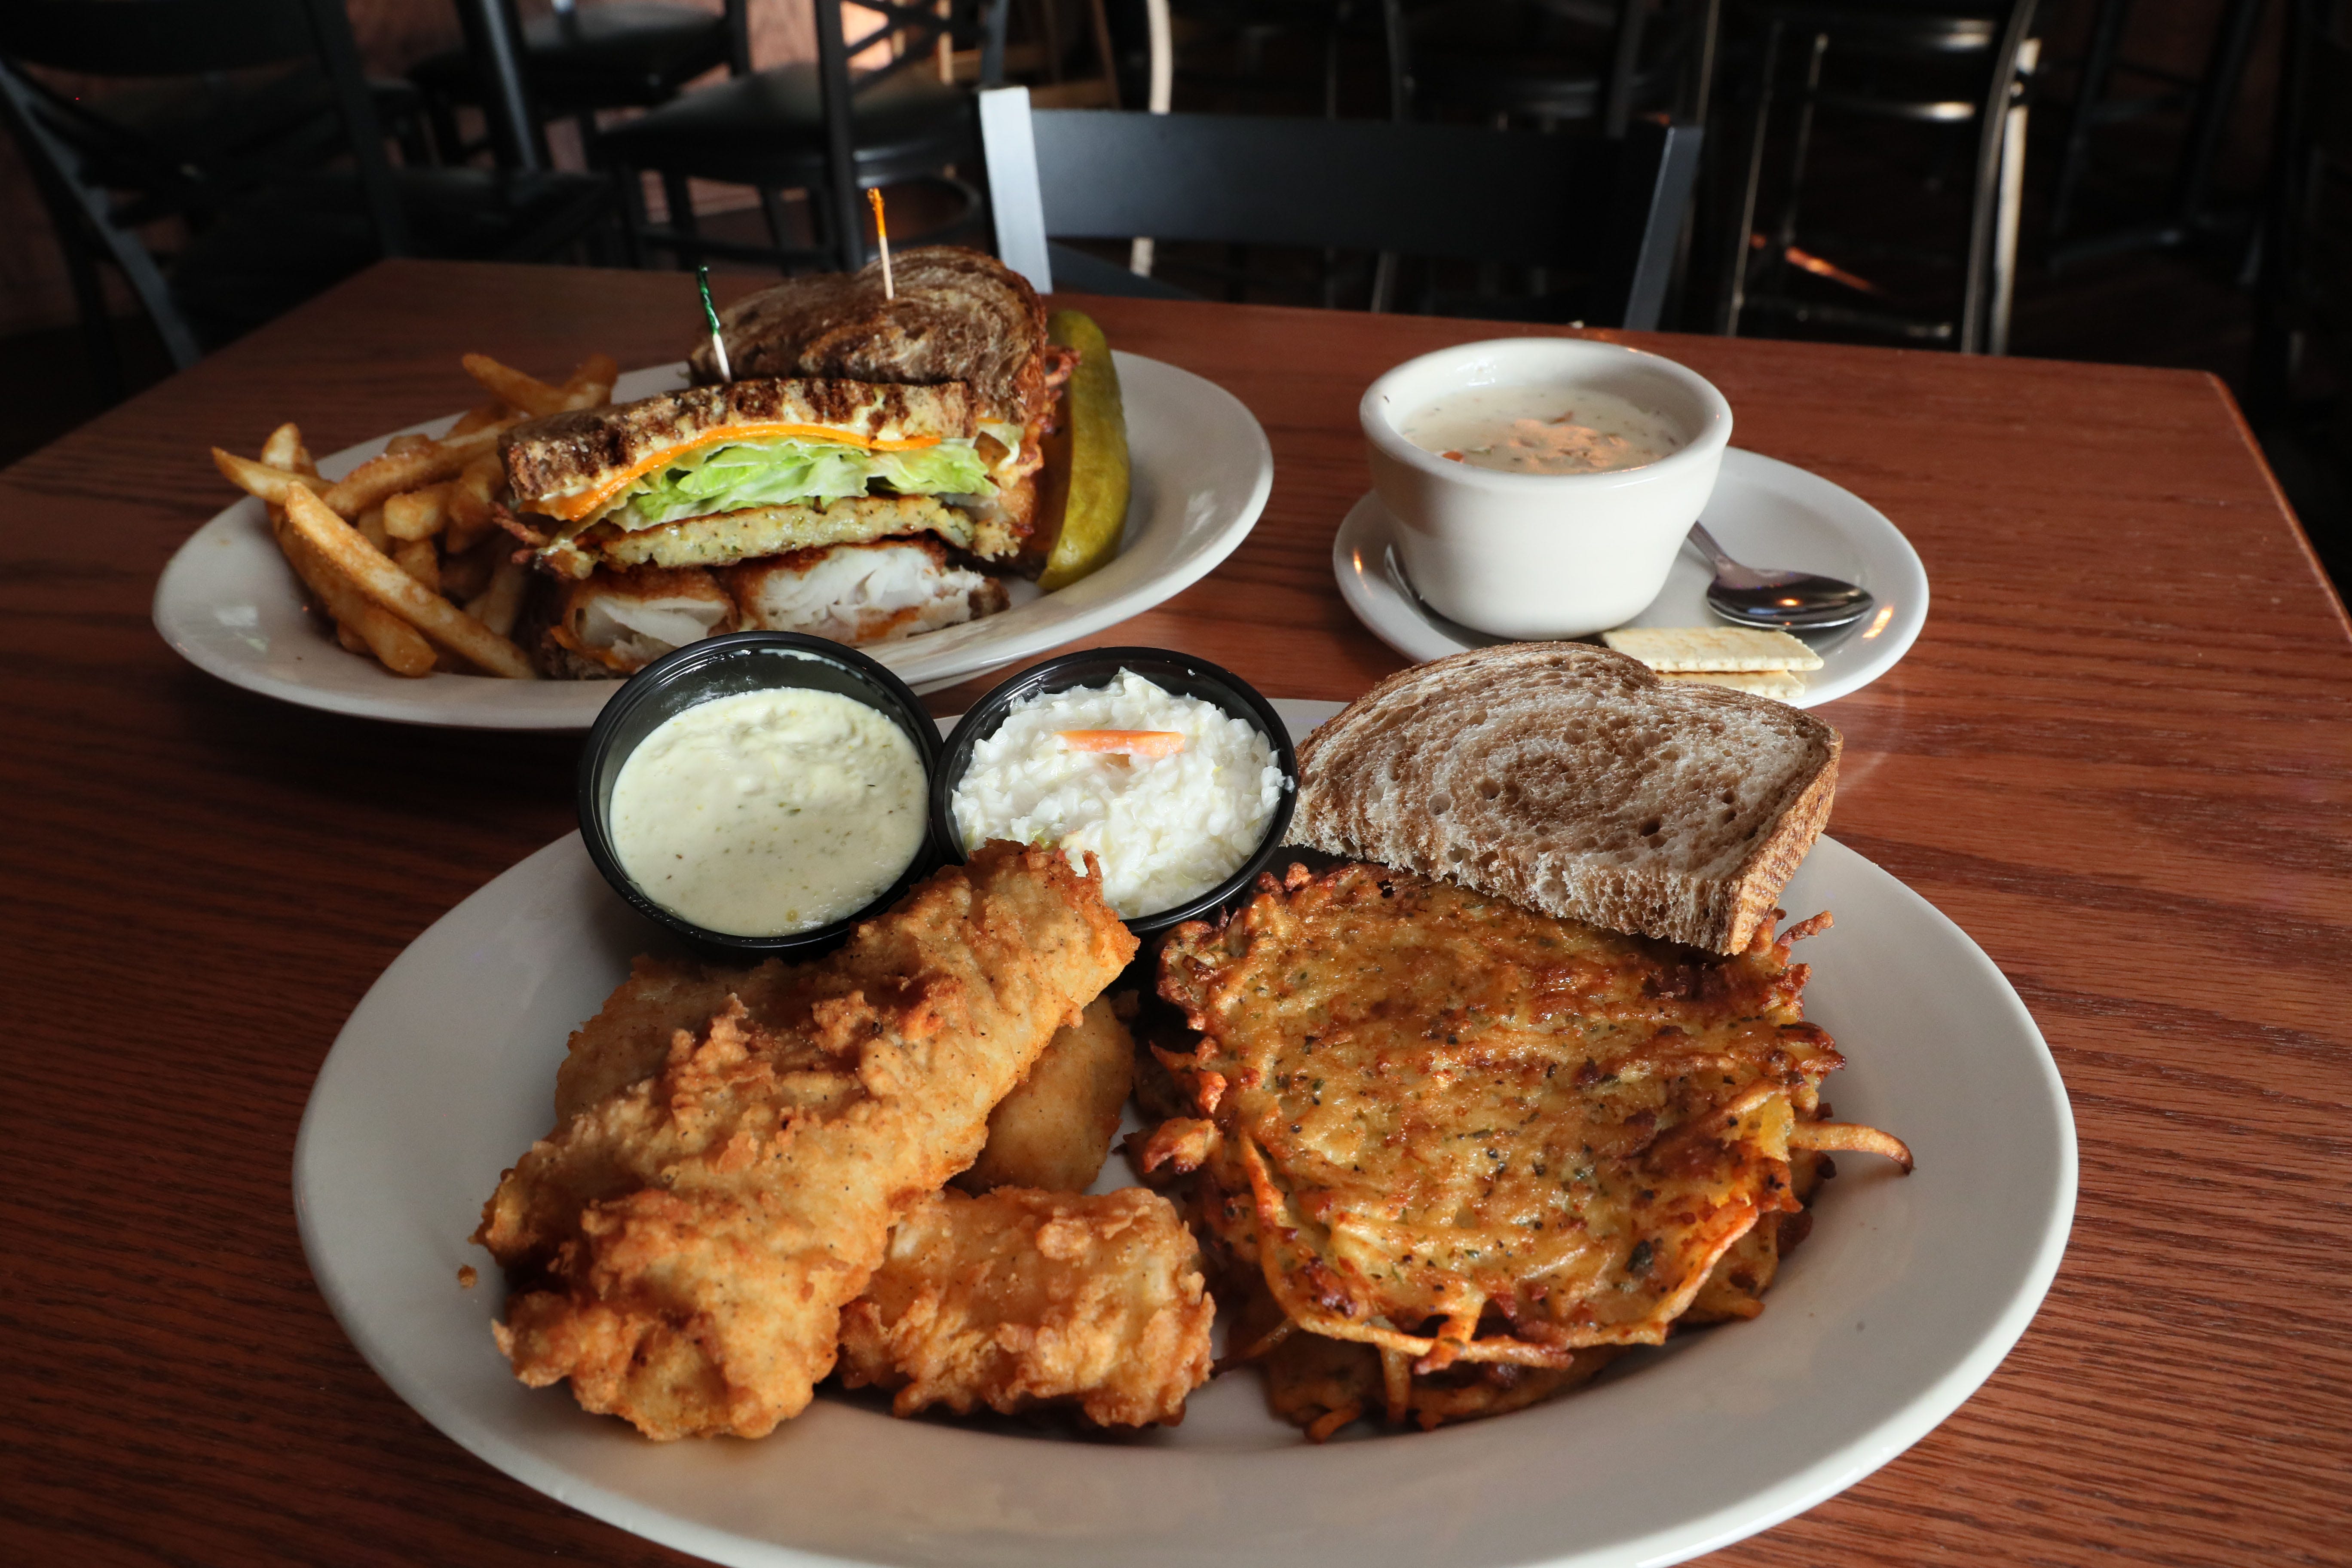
column 1764, row 511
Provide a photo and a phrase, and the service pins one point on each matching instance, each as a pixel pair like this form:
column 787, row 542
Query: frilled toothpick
column 711, row 314
column 882, row 237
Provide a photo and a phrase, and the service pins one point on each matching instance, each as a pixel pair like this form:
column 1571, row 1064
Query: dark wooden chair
column 832, row 129
column 581, row 61
column 272, row 214
column 1448, row 193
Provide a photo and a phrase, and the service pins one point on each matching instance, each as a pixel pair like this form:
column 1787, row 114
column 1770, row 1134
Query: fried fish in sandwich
column 617, row 621
column 856, row 594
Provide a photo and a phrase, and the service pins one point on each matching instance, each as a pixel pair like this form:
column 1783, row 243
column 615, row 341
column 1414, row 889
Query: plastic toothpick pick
column 711, row 314
column 882, row 237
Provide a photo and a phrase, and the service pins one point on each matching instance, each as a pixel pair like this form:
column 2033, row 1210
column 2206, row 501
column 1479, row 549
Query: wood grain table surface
column 2119, row 757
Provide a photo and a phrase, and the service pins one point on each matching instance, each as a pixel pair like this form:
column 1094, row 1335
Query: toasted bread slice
column 1572, row 780
column 956, row 315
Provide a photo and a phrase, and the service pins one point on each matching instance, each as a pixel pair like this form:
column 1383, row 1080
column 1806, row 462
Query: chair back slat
column 1427, row 190
column 154, row 38
column 1442, row 192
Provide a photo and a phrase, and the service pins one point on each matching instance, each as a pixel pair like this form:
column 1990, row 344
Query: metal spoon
column 1787, row 601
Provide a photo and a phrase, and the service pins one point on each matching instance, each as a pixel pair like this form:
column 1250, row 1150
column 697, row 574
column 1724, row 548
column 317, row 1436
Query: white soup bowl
column 1543, row 555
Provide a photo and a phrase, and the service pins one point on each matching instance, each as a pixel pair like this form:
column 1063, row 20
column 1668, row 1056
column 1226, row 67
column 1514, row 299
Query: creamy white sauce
column 770, row 812
column 1540, row 430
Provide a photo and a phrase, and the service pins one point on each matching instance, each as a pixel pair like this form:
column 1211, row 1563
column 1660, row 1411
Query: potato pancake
column 1456, row 1130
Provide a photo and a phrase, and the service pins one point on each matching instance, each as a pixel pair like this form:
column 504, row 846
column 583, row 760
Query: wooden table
column 2119, row 757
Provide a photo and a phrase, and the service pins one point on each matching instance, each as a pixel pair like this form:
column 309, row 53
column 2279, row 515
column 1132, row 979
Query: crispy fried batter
column 1053, row 1131
column 1459, row 1130
column 681, row 1248
column 1018, row 1298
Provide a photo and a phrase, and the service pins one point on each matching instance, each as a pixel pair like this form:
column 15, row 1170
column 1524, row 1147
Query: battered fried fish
column 1019, row 1299
column 1053, row 1131
column 681, row 1248
column 1453, row 1129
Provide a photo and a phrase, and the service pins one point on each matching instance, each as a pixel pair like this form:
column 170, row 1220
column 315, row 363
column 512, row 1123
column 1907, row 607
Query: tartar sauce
column 1540, row 430
column 770, row 812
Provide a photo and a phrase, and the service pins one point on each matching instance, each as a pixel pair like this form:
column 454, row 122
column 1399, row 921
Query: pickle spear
column 1085, row 461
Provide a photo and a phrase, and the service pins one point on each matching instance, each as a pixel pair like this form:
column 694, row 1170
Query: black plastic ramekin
column 1168, row 670
column 727, row 667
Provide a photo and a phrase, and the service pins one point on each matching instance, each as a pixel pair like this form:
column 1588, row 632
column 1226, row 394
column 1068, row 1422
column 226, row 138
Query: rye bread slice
column 958, row 315
column 1572, row 780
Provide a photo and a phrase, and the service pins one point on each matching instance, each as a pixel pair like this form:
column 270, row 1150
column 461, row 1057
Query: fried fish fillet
column 1054, row 1132
column 1456, row 1130
column 1019, row 1299
column 681, row 1248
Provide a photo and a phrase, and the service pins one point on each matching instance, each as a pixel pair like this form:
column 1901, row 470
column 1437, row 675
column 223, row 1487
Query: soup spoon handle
column 1730, row 572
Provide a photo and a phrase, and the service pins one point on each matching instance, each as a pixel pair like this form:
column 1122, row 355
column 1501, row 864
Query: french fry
column 421, row 560
column 416, row 514
column 263, row 480
column 388, row 586
column 497, row 606
column 591, row 386
column 478, row 417
column 510, row 385
column 471, row 516
column 370, row 526
column 414, row 441
column 380, row 479
column 284, row 448
column 380, row 632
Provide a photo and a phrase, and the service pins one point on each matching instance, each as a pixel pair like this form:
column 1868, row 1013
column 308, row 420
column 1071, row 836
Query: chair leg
column 771, row 209
column 97, row 329
column 2217, row 93
column 1736, row 273
column 629, row 195
column 2005, row 222
column 1784, row 233
column 677, row 194
column 2098, row 66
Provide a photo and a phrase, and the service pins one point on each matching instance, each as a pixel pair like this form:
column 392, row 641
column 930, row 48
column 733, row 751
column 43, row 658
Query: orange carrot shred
column 1125, row 743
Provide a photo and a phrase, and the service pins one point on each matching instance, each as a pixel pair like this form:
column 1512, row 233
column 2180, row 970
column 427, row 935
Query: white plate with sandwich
column 654, row 522
column 1764, row 512
column 1904, row 1297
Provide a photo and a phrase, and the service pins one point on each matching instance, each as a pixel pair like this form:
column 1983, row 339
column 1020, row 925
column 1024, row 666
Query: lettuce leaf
column 730, row 477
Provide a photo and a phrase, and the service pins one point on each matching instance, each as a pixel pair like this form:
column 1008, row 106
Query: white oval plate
column 1764, row 512
column 1905, row 1296
column 230, row 605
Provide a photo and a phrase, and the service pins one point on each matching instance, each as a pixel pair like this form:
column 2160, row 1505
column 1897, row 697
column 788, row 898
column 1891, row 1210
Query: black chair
column 1435, row 192
column 1552, row 62
column 271, row 215
column 828, row 128
column 2205, row 101
column 581, row 61
column 1933, row 63
column 2302, row 379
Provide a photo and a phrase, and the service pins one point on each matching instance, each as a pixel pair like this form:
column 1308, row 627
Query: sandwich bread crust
column 959, row 316
column 1572, row 780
